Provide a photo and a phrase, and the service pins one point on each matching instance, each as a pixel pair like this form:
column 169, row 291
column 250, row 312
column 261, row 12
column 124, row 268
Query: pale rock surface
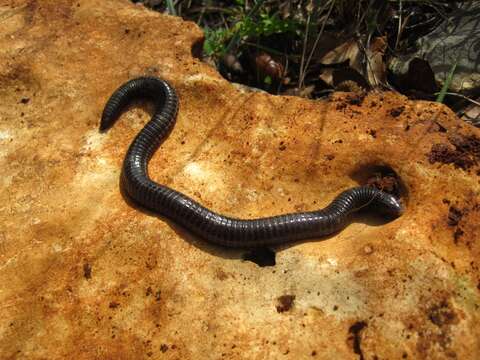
column 86, row 275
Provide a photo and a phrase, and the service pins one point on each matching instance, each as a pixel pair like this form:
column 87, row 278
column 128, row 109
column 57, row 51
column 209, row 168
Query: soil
column 285, row 303
column 463, row 151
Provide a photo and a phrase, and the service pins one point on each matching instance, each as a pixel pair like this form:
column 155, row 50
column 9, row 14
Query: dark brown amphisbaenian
column 201, row 221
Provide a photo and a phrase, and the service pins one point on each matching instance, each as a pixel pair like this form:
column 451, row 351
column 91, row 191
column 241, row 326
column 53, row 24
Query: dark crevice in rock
column 382, row 177
column 87, row 271
column 197, row 48
column 355, row 330
column 285, row 303
column 454, row 216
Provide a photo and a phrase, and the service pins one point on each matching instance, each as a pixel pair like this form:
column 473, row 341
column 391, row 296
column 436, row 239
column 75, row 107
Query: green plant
column 214, row 44
column 171, row 7
column 446, row 85
column 265, row 24
column 259, row 22
column 297, row 33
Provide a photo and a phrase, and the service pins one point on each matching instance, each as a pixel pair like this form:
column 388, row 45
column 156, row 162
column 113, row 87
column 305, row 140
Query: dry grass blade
column 315, row 44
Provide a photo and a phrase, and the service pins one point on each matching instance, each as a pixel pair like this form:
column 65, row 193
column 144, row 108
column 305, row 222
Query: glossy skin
column 213, row 227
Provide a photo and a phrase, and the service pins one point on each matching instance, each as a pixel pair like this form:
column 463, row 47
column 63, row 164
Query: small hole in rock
column 382, row 177
column 285, row 303
column 261, row 256
column 197, row 49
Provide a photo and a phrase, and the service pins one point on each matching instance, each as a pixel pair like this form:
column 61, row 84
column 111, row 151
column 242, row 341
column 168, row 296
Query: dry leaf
column 373, row 70
column 376, row 68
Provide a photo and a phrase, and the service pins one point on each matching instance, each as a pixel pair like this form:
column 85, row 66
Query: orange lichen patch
column 87, row 274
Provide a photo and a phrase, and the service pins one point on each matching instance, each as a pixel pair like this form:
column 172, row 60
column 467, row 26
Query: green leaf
column 446, row 84
column 214, row 44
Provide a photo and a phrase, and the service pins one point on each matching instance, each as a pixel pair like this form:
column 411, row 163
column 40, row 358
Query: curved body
column 201, row 221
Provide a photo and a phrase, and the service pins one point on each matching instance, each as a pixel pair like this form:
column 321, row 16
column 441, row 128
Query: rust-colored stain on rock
column 86, row 275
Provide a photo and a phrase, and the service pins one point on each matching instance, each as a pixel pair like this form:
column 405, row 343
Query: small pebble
column 368, row 249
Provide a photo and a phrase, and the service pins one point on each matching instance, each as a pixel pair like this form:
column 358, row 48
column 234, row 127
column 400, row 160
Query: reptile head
column 389, row 205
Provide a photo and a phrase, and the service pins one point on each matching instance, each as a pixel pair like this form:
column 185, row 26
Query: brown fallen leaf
column 367, row 63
